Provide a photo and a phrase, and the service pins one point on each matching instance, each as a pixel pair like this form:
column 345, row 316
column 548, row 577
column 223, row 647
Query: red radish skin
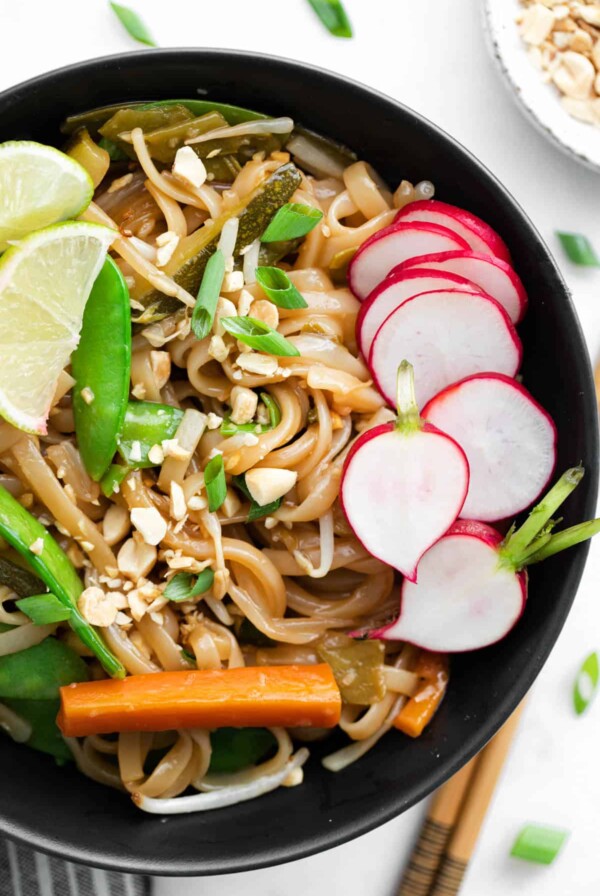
column 448, row 335
column 463, row 599
column 403, row 484
column 394, row 291
column 509, row 440
column 393, row 245
column 493, row 276
column 479, row 235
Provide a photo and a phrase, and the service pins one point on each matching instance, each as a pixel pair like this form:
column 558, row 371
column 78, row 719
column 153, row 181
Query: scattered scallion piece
column 203, row 314
column 214, row 479
column 228, row 428
column 278, row 287
column 259, row 336
column 43, row 609
column 257, row 511
column 133, row 24
column 182, row 586
column 586, row 683
column 538, row 843
column 290, row 222
column 334, row 17
column 578, row 249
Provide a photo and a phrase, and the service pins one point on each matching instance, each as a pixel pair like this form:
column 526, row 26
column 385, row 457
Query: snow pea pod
column 22, row 531
column 146, row 424
column 101, row 365
column 236, row 748
column 37, row 673
column 45, row 735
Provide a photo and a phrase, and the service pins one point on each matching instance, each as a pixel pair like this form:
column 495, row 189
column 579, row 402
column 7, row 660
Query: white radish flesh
column 393, row 245
column 394, row 291
column 447, row 335
column 402, row 486
column 493, row 276
column 479, row 235
column 509, row 440
column 463, row 600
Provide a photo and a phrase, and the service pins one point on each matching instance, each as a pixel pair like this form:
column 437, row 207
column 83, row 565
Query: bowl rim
column 269, row 856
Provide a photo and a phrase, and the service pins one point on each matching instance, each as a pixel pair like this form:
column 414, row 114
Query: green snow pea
column 146, row 424
column 38, row 672
column 236, row 748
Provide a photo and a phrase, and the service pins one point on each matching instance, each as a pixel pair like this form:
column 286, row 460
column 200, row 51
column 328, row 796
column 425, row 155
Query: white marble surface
column 431, row 55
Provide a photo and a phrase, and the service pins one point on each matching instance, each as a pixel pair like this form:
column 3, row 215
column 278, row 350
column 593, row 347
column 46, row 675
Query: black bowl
column 58, row 810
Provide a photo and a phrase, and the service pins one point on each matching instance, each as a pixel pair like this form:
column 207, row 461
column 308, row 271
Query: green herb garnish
column 538, row 843
column 203, row 314
column 334, row 17
column 44, row 609
column 228, row 428
column 586, row 683
column 278, row 287
column 133, row 24
column 182, row 586
column 259, row 336
column 257, row 511
column 578, row 249
column 290, row 222
column 214, row 480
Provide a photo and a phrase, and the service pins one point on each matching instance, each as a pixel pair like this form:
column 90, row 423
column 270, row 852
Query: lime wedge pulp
column 45, row 282
column 39, row 185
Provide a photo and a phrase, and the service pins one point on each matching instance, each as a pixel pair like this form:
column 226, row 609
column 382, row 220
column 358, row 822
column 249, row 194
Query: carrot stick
column 420, row 709
column 248, row 696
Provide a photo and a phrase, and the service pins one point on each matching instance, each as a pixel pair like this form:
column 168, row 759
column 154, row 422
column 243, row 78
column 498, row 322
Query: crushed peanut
column 564, row 44
column 87, row 395
column 97, row 607
column 254, row 362
column 37, row 547
column 213, row 421
column 177, row 505
column 150, row 523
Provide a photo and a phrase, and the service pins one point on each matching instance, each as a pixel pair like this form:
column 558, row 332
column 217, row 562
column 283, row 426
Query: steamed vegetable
column 478, row 234
column 417, row 713
column 403, row 484
column 246, row 696
column 101, row 366
column 21, row 530
column 509, row 440
column 451, row 334
column 472, row 583
column 191, row 256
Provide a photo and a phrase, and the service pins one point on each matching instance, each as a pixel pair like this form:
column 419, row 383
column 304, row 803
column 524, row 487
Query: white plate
column 538, row 100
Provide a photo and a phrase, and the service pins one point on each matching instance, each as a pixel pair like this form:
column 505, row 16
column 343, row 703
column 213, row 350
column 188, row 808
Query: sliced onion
column 251, row 262
column 261, row 126
column 219, row 799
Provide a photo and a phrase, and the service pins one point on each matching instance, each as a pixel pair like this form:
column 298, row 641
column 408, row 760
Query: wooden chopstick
column 435, row 833
column 477, row 800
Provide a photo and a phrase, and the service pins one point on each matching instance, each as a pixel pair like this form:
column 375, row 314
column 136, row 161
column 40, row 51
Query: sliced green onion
column 290, row 222
column 273, row 409
column 182, row 587
column 586, row 683
column 147, row 423
column 259, row 336
column 214, row 480
column 257, row 511
column 189, row 657
column 578, row 249
column 203, row 314
column 334, row 17
column 278, row 287
column 43, row 609
column 112, row 479
column 133, row 24
column 228, row 428
column 538, row 843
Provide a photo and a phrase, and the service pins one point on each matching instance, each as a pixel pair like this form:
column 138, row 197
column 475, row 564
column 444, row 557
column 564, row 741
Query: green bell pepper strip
column 102, row 364
column 21, row 530
column 146, row 424
column 236, row 748
column 37, row 673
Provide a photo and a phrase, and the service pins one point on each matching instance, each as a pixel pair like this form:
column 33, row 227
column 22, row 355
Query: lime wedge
column 45, row 282
column 39, row 185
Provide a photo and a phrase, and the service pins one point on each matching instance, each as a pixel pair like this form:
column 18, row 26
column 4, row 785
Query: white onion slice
column 261, row 126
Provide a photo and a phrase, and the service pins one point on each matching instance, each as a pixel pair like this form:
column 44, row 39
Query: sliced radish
column 509, row 440
column 493, row 276
column 394, row 291
column 478, row 234
column 393, row 245
column 447, row 335
column 472, row 585
column 403, row 484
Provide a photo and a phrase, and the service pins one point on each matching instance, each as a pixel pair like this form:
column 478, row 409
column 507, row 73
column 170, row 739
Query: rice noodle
column 19, row 729
column 266, row 126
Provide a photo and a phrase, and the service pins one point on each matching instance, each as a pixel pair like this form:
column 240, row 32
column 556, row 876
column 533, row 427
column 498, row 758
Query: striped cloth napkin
column 24, row 872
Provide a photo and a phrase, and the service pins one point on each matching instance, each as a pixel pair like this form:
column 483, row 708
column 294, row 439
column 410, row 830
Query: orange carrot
column 417, row 712
column 248, row 696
